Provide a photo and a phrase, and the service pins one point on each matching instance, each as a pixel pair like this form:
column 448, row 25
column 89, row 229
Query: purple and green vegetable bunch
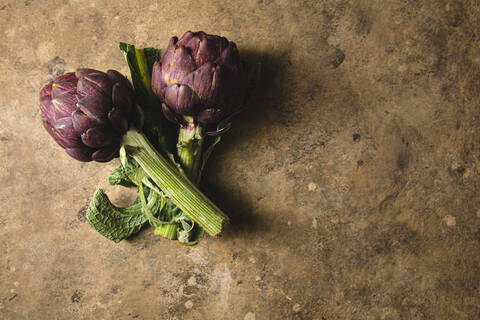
column 163, row 128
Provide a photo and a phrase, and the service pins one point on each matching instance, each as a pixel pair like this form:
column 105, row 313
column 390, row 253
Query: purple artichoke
column 87, row 112
column 201, row 76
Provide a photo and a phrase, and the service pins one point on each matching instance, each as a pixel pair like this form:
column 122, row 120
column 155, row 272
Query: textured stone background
column 352, row 182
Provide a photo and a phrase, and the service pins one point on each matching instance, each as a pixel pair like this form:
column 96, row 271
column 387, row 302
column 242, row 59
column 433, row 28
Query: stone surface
column 352, row 181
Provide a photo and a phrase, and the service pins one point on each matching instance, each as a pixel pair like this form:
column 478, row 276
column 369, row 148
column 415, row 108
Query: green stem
column 154, row 221
column 178, row 188
column 189, row 150
column 168, row 231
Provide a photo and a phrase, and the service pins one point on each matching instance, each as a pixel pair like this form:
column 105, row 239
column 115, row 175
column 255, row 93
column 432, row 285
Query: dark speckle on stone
column 461, row 170
column 56, row 66
column 82, row 213
column 76, row 297
column 364, row 23
column 338, row 58
column 356, row 137
column 360, row 163
column 403, row 157
column 146, row 284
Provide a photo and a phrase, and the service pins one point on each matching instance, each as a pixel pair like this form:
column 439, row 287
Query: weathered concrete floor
column 353, row 181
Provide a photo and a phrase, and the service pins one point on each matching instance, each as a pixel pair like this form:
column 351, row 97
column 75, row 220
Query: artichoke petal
column 48, row 125
column 80, row 153
column 82, row 122
column 185, row 40
column 169, row 114
column 69, row 85
column 117, row 77
column 118, row 120
column 105, row 154
column 66, row 133
column 229, row 57
column 95, row 106
column 46, row 90
column 87, row 88
column 82, row 72
column 64, row 105
column 210, row 115
column 179, row 66
column 206, row 83
column 191, row 40
column 182, row 99
column 158, row 84
column 122, row 98
column 46, row 107
column 97, row 137
column 63, row 77
column 168, row 55
column 207, row 51
column 101, row 80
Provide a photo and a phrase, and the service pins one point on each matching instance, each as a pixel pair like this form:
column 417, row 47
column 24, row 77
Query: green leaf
column 113, row 222
column 140, row 62
column 150, row 212
column 129, row 173
column 133, row 171
column 151, row 55
column 118, row 177
column 180, row 227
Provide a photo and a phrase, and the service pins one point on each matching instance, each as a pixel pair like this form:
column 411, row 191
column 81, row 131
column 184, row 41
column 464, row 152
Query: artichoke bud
column 86, row 112
column 200, row 76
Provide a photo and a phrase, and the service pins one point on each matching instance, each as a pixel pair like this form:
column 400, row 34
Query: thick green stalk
column 178, row 188
column 189, row 150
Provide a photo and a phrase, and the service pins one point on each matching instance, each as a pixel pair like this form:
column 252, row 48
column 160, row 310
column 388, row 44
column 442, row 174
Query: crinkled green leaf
column 180, row 228
column 113, row 222
column 118, row 177
column 133, row 171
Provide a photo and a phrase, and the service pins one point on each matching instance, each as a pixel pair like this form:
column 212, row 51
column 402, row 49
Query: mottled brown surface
column 352, row 182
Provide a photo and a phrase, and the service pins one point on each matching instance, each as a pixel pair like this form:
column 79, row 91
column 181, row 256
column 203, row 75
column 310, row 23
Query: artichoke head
column 87, row 112
column 199, row 76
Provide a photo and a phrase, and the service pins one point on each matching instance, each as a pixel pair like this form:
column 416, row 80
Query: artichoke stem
column 178, row 188
column 189, row 150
